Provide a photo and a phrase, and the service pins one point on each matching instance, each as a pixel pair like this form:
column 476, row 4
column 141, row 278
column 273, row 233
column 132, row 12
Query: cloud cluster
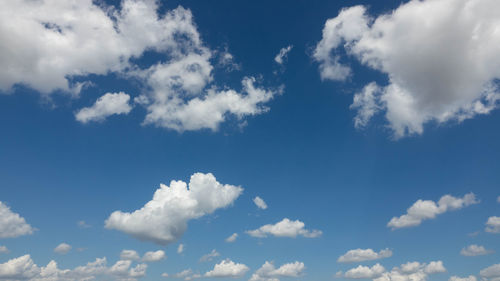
column 445, row 69
column 12, row 224
column 411, row 271
column 268, row 272
column 360, row 255
column 164, row 219
column 23, row 268
column 228, row 268
column 285, row 228
column 428, row 209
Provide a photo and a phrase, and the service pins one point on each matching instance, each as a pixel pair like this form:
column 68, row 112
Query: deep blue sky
column 304, row 157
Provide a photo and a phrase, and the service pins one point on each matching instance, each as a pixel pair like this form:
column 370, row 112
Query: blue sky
column 372, row 140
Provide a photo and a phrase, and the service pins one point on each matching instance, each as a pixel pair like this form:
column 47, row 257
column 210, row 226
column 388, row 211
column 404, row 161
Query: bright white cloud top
column 260, row 203
column 62, row 248
column 365, row 272
column 360, row 255
column 475, row 250
column 450, row 78
column 164, row 219
column 428, row 209
column 12, row 224
column 228, row 268
column 268, row 272
column 105, row 106
column 285, row 228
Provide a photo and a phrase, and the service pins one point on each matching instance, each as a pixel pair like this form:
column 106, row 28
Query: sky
column 250, row 140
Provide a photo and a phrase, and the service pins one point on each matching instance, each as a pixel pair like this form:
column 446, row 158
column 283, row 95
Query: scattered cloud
column 228, row 268
column 493, row 225
column 491, row 273
column 360, row 255
column 210, row 256
column 268, row 272
column 154, row 256
column 180, row 249
column 12, row 224
column 164, row 219
column 285, row 228
column 474, row 250
column 283, row 54
column 428, row 209
column 129, row 255
column 451, row 78
column 414, row 271
column 232, row 238
column 105, row 106
column 260, row 203
column 62, row 248
column 365, row 272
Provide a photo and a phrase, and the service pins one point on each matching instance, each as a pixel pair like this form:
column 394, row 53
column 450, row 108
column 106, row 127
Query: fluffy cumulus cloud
column 51, row 46
column 105, row 106
column 360, row 255
column 129, row 255
column 164, row 219
column 285, row 228
column 491, row 273
column 210, row 256
column 268, row 272
column 475, row 250
column 444, row 69
column 62, row 248
column 283, row 54
column 468, row 278
column 24, row 268
column 260, row 203
column 493, row 225
column 228, row 268
column 365, row 272
column 12, row 224
column 232, row 238
column 428, row 209
column 411, row 271
column 154, row 256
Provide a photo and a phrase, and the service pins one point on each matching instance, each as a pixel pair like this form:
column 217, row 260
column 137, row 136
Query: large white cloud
column 359, row 255
column 164, row 219
column 443, row 69
column 475, row 250
column 105, row 106
column 228, row 268
column 285, row 228
column 428, row 209
column 493, row 225
column 49, row 43
column 268, row 272
column 24, row 268
column 12, row 224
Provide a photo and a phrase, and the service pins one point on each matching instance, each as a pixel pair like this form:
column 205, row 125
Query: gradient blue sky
column 303, row 156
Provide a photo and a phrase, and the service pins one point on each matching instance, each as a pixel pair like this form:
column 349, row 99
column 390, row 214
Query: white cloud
column 491, row 273
column 260, row 203
column 366, row 104
column 359, row 255
column 4, row 250
column 23, row 268
column 428, row 209
column 12, row 224
column 210, row 256
column 48, row 44
column 365, row 272
column 154, row 256
column 469, row 278
column 164, row 219
column 268, row 272
column 452, row 76
column 129, row 255
column 412, row 271
column 283, row 54
column 474, row 250
column 62, row 248
column 105, row 106
column 493, row 225
column 228, row 268
column 186, row 275
column 180, row 249
column 232, row 238
column 165, row 275
column 285, row 228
